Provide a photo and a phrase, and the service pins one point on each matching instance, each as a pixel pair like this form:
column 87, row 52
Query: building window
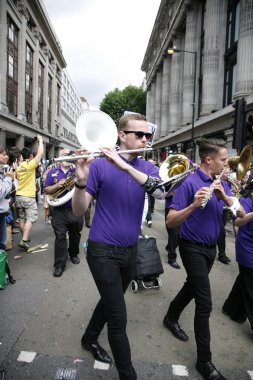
column 12, row 67
column 40, row 94
column 58, row 101
column 49, row 104
column 233, row 15
column 28, row 83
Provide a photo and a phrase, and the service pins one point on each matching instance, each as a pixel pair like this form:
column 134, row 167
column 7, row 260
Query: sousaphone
column 94, row 129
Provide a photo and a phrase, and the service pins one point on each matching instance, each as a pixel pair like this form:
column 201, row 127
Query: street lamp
column 171, row 51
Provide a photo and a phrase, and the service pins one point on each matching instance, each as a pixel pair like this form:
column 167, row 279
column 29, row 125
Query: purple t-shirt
column 244, row 238
column 54, row 176
column 202, row 226
column 119, row 201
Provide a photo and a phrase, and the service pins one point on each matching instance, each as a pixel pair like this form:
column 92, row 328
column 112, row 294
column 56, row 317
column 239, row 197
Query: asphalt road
column 42, row 319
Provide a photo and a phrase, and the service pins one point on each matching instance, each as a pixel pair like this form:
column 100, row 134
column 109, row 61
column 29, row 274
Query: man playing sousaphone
column 63, row 219
column 118, row 181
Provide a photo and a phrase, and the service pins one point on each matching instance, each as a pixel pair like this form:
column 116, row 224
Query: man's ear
column 122, row 136
column 207, row 160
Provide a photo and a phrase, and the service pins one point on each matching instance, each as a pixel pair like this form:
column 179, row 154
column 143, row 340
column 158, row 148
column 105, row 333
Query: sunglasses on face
column 140, row 134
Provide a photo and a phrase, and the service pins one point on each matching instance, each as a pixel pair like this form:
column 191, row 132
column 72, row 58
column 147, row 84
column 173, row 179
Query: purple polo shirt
column 119, row 201
column 202, row 226
column 244, row 238
column 54, row 176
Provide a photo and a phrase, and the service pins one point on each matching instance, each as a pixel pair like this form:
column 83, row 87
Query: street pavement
column 42, row 318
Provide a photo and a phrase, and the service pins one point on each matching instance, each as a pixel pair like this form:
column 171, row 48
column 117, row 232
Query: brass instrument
column 54, row 200
column 174, row 170
column 240, row 163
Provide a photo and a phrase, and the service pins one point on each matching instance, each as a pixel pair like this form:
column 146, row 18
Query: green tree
column 116, row 102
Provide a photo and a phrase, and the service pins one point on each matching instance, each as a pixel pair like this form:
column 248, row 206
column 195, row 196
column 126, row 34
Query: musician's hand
column 219, row 190
column 82, row 167
column 114, row 158
column 200, row 196
column 61, row 183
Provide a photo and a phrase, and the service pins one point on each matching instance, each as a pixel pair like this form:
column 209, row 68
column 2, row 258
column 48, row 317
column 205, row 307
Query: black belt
column 97, row 244
column 197, row 243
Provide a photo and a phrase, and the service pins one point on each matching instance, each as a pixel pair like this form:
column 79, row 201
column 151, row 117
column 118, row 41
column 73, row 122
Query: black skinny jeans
column 112, row 269
column 198, row 262
column 173, row 239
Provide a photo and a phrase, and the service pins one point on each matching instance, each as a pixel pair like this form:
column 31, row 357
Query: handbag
column 148, row 261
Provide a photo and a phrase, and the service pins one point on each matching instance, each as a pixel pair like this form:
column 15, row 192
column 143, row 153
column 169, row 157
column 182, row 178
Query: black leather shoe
column 75, row 259
column 174, row 264
column 175, row 329
column 224, row 259
column 58, row 271
column 208, row 371
column 97, row 351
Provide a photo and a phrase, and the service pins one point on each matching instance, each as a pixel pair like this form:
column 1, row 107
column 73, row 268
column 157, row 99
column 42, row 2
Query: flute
column 99, row 154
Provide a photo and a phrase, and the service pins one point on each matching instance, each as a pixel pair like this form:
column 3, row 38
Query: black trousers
column 239, row 304
column 63, row 221
column 151, row 205
column 221, row 242
column 112, row 269
column 173, row 239
column 198, row 262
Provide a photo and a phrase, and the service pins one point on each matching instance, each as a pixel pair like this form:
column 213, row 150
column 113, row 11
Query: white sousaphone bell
column 94, row 129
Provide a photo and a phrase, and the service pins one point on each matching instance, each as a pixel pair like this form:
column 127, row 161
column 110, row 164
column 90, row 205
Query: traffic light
column 239, row 132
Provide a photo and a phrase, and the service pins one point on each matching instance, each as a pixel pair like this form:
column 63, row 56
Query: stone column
column 22, row 63
column 165, row 96
column 54, row 96
column 2, row 138
column 167, row 151
column 175, row 88
column 45, row 90
column 20, row 142
column 37, row 36
column 158, row 102
column 179, row 148
column 51, row 152
column 229, row 138
column 148, row 104
column 3, row 56
column 211, row 58
column 152, row 103
column 191, row 43
column 158, row 155
column 244, row 80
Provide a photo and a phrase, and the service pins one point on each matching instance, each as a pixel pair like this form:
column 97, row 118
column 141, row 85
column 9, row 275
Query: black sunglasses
column 140, row 134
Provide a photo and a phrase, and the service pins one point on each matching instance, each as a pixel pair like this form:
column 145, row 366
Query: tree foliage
column 116, row 102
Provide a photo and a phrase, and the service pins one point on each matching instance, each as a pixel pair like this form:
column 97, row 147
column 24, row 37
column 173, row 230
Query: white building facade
column 213, row 65
column 31, row 64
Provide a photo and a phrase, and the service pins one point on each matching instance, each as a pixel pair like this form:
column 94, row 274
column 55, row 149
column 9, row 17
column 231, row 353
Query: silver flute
column 211, row 190
column 98, row 154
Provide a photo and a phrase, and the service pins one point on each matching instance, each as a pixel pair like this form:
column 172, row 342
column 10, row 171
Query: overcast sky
column 103, row 42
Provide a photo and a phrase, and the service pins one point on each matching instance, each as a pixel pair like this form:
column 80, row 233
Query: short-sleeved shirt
column 244, row 238
column 26, row 178
column 203, row 225
column 54, row 176
column 119, row 201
